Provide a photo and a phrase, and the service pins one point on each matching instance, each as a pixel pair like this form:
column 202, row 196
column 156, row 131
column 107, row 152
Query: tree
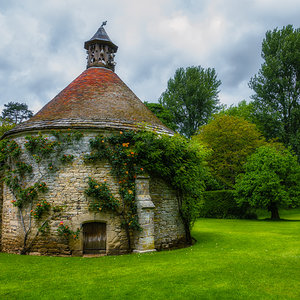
column 163, row 114
column 5, row 126
column 277, row 87
column 16, row 112
column 271, row 180
column 231, row 139
column 242, row 109
column 191, row 96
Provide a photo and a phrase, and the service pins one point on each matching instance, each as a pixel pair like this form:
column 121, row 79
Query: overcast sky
column 41, row 42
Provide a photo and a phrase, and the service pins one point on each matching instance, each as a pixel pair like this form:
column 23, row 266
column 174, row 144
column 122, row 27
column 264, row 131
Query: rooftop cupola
column 101, row 50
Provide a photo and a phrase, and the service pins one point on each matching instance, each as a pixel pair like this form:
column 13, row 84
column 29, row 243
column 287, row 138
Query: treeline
column 253, row 148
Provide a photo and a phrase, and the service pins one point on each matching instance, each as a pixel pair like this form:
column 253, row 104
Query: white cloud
column 41, row 47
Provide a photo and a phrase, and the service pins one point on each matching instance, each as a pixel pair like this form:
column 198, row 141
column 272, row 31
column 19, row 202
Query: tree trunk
column 25, row 249
column 188, row 234
column 274, row 212
column 186, row 224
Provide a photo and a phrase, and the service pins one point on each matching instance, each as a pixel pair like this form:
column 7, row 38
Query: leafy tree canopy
column 231, row 139
column 277, row 87
column 242, row 109
column 5, row 126
column 163, row 114
column 271, row 180
column 191, row 96
column 16, row 112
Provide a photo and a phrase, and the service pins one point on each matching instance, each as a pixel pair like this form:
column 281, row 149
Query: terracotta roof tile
column 97, row 97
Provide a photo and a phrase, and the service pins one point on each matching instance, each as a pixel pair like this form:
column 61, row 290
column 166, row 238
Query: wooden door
column 94, row 238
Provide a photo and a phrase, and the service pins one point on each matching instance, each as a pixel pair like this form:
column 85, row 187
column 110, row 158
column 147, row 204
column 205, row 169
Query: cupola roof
column 102, row 37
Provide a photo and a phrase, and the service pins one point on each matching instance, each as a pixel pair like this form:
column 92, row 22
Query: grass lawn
column 233, row 259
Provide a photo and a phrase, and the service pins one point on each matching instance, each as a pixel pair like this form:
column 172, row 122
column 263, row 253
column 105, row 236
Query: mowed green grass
column 232, row 259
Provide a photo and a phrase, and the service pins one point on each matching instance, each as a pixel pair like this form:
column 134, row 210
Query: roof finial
column 103, row 23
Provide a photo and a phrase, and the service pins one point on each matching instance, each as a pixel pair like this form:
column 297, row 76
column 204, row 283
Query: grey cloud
column 241, row 61
column 46, row 52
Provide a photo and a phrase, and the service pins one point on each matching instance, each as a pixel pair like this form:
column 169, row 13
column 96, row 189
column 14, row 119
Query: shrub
column 222, row 205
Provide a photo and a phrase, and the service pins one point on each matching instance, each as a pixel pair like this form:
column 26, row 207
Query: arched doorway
column 94, row 238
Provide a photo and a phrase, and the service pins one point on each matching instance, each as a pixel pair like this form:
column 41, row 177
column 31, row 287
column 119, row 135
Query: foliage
column 277, row 87
column 102, row 198
column 22, row 168
column 221, row 205
column 66, row 158
column 271, row 180
column 41, row 208
column 231, row 139
column 65, row 231
column 117, row 149
column 180, row 162
column 24, row 195
column 5, row 125
column 16, row 112
column 163, row 114
column 242, row 110
column 9, row 151
column 18, row 174
column 191, row 96
column 68, row 137
column 171, row 157
column 40, row 146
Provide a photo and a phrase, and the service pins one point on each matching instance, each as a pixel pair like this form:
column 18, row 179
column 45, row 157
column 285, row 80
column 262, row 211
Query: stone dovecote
column 97, row 101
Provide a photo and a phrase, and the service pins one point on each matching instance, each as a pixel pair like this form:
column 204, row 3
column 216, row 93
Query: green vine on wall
column 42, row 207
column 118, row 150
column 17, row 174
column 173, row 158
column 102, row 198
column 66, row 232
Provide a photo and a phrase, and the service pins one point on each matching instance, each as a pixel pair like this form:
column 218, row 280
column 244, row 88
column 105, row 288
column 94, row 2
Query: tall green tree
column 16, row 112
column 192, row 97
column 277, row 87
column 271, row 180
column 231, row 140
column 163, row 114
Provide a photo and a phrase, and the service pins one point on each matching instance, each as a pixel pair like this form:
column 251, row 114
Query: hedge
column 222, row 205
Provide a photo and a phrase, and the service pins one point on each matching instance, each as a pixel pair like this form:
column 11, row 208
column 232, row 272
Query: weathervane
column 103, row 23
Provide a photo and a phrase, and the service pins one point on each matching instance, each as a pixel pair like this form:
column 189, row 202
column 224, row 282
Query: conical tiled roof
column 97, row 98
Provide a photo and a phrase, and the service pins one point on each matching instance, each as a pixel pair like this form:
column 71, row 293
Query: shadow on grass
column 206, row 237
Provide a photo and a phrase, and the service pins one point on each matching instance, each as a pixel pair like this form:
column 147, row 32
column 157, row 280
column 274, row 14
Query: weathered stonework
column 1, row 205
column 157, row 208
column 168, row 227
column 144, row 240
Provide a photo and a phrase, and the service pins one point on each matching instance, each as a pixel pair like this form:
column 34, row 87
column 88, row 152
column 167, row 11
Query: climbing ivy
column 101, row 197
column 174, row 158
column 41, row 208
column 66, row 232
column 17, row 174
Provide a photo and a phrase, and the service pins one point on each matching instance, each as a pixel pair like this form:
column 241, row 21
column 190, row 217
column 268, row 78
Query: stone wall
column 1, row 205
column 66, row 188
column 168, row 227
